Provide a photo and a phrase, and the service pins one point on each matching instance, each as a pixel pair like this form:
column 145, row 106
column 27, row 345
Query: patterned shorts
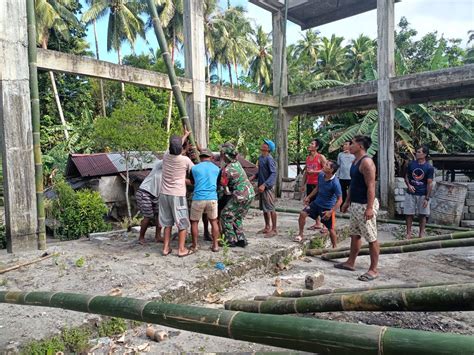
column 267, row 200
column 147, row 204
column 358, row 224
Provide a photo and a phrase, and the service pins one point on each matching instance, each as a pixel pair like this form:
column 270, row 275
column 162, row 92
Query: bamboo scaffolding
column 457, row 235
column 160, row 36
column 457, row 243
column 326, row 291
column 313, row 335
column 426, row 299
column 35, row 119
column 381, row 220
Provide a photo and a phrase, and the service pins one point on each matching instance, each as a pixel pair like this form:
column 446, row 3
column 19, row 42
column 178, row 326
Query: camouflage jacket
column 234, row 176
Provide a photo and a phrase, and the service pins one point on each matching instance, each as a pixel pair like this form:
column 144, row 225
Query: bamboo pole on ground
column 457, row 243
column 313, row 335
column 34, row 261
column 35, row 119
column 457, row 235
column 381, row 220
column 160, row 36
column 426, row 299
column 326, row 291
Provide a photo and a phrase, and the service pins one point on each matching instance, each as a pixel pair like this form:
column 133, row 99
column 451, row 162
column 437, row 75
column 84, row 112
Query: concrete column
column 281, row 118
column 385, row 103
column 15, row 128
column 195, row 65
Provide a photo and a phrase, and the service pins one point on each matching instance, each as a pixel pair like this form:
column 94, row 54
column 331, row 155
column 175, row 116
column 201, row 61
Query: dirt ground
column 141, row 272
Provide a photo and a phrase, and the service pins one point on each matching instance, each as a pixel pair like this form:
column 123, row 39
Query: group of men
column 346, row 184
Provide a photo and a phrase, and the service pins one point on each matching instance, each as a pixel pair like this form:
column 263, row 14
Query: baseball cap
column 270, row 144
column 206, row 153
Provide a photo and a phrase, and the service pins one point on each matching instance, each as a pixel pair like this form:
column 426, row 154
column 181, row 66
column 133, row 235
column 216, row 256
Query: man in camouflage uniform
column 234, row 180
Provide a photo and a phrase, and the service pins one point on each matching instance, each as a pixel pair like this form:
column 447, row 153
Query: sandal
column 168, row 253
column 313, row 228
column 190, row 252
column 367, row 277
column 299, row 239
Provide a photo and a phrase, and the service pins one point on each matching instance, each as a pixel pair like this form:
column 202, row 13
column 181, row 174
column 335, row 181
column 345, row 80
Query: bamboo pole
column 426, row 299
column 35, row 119
column 457, row 243
column 381, row 220
column 313, row 335
column 160, row 36
column 458, row 235
column 326, row 291
column 44, row 257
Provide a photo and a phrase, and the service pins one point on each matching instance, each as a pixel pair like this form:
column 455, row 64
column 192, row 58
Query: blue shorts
column 315, row 211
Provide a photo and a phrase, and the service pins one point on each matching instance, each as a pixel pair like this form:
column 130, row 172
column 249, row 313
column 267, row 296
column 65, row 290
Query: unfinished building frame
column 384, row 94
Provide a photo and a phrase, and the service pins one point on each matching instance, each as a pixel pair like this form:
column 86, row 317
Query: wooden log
column 458, row 243
column 426, row 299
column 326, row 291
column 297, row 333
column 44, row 257
column 458, row 235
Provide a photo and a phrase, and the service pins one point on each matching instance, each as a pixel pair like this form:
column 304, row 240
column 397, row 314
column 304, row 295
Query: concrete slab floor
column 141, row 272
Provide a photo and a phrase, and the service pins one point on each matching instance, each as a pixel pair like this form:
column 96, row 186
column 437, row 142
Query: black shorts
column 309, row 189
column 315, row 211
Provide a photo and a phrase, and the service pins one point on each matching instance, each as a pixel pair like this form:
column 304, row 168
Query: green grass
column 111, row 327
column 71, row 340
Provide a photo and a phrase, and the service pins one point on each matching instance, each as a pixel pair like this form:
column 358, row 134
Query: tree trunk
column 208, row 99
column 458, row 235
column 230, row 74
column 298, row 145
column 220, row 76
column 170, row 100
column 122, row 85
column 427, row 299
column 56, row 98
column 236, row 74
column 311, row 293
column 297, row 333
column 127, row 187
column 101, row 82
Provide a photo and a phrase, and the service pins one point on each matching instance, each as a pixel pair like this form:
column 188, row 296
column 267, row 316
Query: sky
column 451, row 18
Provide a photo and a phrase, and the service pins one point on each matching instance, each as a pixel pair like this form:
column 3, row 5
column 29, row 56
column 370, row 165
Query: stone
column 156, row 335
column 314, row 281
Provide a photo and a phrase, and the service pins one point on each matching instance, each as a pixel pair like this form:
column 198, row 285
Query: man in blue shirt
column 419, row 181
column 266, row 177
column 205, row 197
column 328, row 200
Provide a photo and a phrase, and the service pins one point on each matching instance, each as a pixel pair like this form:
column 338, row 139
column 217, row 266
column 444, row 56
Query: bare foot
column 263, row 231
column 160, row 240
column 271, row 234
column 141, row 241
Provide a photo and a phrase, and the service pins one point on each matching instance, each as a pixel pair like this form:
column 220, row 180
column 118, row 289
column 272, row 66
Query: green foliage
column 3, row 237
column 316, row 243
column 74, row 340
column 111, row 327
column 225, row 250
column 48, row 346
column 80, row 262
column 78, row 213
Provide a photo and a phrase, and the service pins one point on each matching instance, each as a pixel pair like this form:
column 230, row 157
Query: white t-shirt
column 175, row 167
column 152, row 182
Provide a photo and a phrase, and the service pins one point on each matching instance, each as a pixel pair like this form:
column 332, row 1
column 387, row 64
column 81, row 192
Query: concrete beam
column 16, row 129
column 73, row 64
column 195, row 65
column 452, row 83
column 386, row 103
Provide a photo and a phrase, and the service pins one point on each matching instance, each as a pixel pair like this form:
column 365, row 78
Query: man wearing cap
column 173, row 208
column 266, row 177
column 205, row 197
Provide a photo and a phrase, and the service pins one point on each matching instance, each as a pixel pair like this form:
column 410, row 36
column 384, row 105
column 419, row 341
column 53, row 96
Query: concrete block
column 470, row 186
column 287, row 194
column 467, row 216
column 470, row 195
column 297, row 195
column 471, row 209
column 469, row 202
column 314, row 281
column 468, row 224
column 465, row 209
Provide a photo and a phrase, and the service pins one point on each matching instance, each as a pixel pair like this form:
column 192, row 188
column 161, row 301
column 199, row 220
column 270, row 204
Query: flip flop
column 343, row 266
column 141, row 242
column 313, row 228
column 190, row 252
column 168, row 253
column 298, row 239
column 367, row 277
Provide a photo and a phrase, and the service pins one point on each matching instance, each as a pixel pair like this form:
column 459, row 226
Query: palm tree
column 124, row 22
column 331, row 63
column 361, row 50
column 307, row 48
column 54, row 15
column 261, row 65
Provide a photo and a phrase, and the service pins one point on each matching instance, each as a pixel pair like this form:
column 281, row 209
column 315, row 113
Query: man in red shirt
column 314, row 165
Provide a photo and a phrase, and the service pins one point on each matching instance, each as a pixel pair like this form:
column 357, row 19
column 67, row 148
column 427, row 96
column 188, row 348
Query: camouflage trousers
column 232, row 217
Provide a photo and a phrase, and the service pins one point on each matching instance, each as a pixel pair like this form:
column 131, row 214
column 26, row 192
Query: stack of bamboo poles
column 313, row 335
column 451, row 240
column 455, row 297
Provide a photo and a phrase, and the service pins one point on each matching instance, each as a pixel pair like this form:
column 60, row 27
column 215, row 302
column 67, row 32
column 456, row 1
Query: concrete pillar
column 195, row 65
column 15, row 128
column 281, row 118
column 385, row 103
